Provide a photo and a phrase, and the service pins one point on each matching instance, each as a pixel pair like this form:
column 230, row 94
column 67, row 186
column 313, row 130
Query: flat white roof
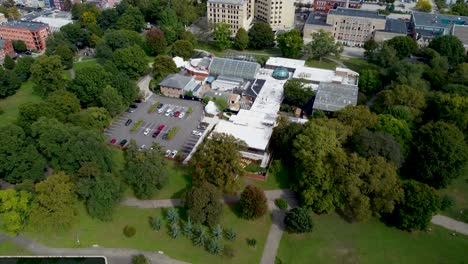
column 53, row 22
column 270, row 96
column 179, row 62
column 288, row 63
column 255, row 137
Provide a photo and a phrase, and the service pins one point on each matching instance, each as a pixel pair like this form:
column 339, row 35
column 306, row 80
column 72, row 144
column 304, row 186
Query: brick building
column 5, row 49
column 323, row 6
column 33, row 34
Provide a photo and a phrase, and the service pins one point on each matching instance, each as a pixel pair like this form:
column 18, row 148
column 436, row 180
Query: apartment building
column 34, row 34
column 279, row 14
column 323, row 6
column 236, row 13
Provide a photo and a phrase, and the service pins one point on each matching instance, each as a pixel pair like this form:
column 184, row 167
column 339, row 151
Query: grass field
column 337, row 241
column 324, row 64
column 358, row 64
column 8, row 248
column 275, row 180
column 80, row 64
column 109, row 234
column 458, row 191
column 10, row 105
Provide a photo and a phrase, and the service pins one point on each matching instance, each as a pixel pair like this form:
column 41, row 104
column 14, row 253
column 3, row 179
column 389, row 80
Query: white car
column 168, row 113
column 142, row 147
column 147, row 131
column 174, row 153
column 168, row 152
column 182, row 115
column 197, row 133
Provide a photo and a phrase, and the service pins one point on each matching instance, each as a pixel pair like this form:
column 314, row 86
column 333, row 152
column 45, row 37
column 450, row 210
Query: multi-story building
column 279, row 14
column 33, row 34
column 3, row 19
column 236, row 13
column 323, row 6
column 5, row 49
column 427, row 26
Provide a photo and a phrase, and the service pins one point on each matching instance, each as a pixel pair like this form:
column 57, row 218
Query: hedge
column 136, row 126
column 151, row 109
column 171, row 133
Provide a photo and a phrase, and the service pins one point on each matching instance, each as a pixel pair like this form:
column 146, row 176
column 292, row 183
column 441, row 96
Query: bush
column 298, row 220
column 188, row 229
column 229, row 234
column 137, row 125
column 139, row 259
column 199, row 236
column 281, row 203
column 174, row 230
column 253, row 203
column 214, row 247
column 229, row 252
column 155, row 223
column 172, row 133
column 190, row 110
column 217, row 232
column 129, row 231
column 151, row 109
column 252, row 242
column 172, row 215
column 447, row 202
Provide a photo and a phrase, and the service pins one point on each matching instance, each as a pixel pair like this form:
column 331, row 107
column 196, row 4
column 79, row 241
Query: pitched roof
column 333, row 97
column 177, row 81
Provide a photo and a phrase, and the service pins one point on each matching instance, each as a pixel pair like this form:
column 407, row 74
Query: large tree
column 107, row 19
column 55, row 206
column 131, row 61
column 170, row 24
column 253, row 202
column 241, row 40
column 357, row 117
column 94, row 118
column 89, row 83
column 218, row 162
column 323, row 43
column 296, row 94
column 145, row 170
column 155, row 41
column 398, row 128
column 15, row 207
column 290, row 43
column 132, row 19
column 119, row 39
column 450, row 108
column 420, row 203
column 66, row 55
column 439, row 155
column 47, row 75
column 9, row 83
column 282, row 138
column 163, row 66
column 8, row 62
column 369, row 81
column 19, row 158
column 63, row 104
column 126, row 87
column 424, row 6
column 261, row 36
column 183, row 48
column 111, row 100
column 23, row 67
column 222, row 35
column 449, row 46
column 203, row 204
column 413, row 98
column 403, row 45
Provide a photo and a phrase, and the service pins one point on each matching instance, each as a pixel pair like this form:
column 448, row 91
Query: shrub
column 229, row 252
column 139, row 259
column 447, row 202
column 252, row 242
column 129, row 231
column 174, row 230
column 229, row 234
column 253, row 203
column 217, row 232
column 214, row 247
column 281, row 203
column 172, row 215
column 151, row 109
column 199, row 236
column 188, row 229
column 136, row 125
column 298, row 220
column 190, row 110
column 172, row 133
column 155, row 223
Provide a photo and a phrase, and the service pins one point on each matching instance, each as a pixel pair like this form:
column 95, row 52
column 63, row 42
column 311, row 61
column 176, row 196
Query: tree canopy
column 322, row 44
column 46, row 73
column 203, row 204
column 222, row 35
column 241, row 40
column 449, row 46
column 290, row 43
column 403, row 45
column 261, row 36
column 15, row 207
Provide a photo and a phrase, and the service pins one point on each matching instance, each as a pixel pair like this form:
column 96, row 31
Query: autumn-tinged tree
column 155, row 41
column 253, row 202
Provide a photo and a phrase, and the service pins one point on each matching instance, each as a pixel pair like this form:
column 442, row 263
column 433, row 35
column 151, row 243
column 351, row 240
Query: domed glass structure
column 281, row 73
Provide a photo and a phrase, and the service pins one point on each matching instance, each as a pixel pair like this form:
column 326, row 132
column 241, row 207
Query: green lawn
column 458, row 191
column 337, row 241
column 358, row 64
column 8, row 248
column 10, row 105
column 80, row 64
column 323, row 64
column 275, row 179
column 109, row 234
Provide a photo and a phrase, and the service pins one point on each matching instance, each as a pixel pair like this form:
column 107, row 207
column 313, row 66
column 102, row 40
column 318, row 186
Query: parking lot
column 160, row 120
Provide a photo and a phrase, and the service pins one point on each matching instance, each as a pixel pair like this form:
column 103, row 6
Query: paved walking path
column 114, row 255
column 450, row 224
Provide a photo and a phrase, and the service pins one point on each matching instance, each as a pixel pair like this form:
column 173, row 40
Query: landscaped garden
column 336, row 241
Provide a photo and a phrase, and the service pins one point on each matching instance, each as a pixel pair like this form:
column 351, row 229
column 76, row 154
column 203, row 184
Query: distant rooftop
column 32, row 26
column 177, row 81
column 462, row 33
column 438, row 20
column 284, row 62
column 356, row 13
column 396, row 26
column 317, row 19
column 333, row 97
column 232, row 2
column 234, row 68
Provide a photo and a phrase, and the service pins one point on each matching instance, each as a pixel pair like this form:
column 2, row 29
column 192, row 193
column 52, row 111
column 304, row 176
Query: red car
column 113, row 141
column 158, row 131
column 176, row 114
column 161, row 127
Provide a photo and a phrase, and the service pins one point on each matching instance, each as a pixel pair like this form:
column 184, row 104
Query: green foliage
column 222, row 35
column 449, row 46
column 214, row 247
column 155, row 41
column 241, row 40
column 218, row 160
column 187, row 230
column 129, row 231
column 119, row 39
column 398, row 128
column 439, row 155
column 424, row 6
column 139, row 259
column 190, row 110
column 107, row 18
column 172, row 133
column 15, row 207
column 322, row 44
column 281, row 203
column 136, row 125
column 369, row 81
column 253, row 202
column 131, row 61
column 46, row 73
column 89, row 83
column 447, row 202
column 221, row 103
column 9, row 83
column 252, row 242
column 261, row 36
column 183, row 48
column 202, row 202
column 420, row 203
column 357, row 117
column 188, row 36
column 8, row 63
column 172, row 216
column 111, row 100
column 450, row 108
column 298, row 220
column 174, row 230
column 23, row 67
column 145, row 170
column 126, row 87
column 170, row 24
column 370, row 46
column 163, row 66
column 153, row 107
column 216, row 232
column 19, row 45
column 296, row 94
column 131, row 19
column 282, row 138
column 403, row 95
column 55, row 201
column 63, row 104
column 94, row 118
column 403, row 45
column 290, row 43
column 230, row 234
column 66, row 55
column 155, row 223
column 199, row 236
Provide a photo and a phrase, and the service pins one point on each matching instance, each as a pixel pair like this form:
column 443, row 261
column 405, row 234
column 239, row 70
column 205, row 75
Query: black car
column 133, row 106
column 138, row 101
column 122, row 142
column 129, row 121
column 159, row 106
column 164, row 136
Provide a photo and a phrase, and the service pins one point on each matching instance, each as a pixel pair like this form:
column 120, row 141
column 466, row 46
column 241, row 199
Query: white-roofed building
column 55, row 23
column 316, row 76
column 290, row 64
column 179, row 62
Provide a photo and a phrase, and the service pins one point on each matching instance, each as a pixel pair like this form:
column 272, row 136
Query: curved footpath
column 123, row 255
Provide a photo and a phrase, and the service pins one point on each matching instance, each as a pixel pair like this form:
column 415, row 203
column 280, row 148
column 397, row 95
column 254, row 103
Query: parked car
column 167, row 113
column 130, row 110
column 133, row 106
column 168, row 152
column 171, row 114
column 182, row 115
column 113, row 141
column 176, row 114
column 138, row 101
column 147, row 131
column 196, row 133
column 129, row 121
column 123, row 142
column 159, row 106
column 155, row 134
column 173, row 153
column 164, row 136
column 142, row 147
column 161, row 110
